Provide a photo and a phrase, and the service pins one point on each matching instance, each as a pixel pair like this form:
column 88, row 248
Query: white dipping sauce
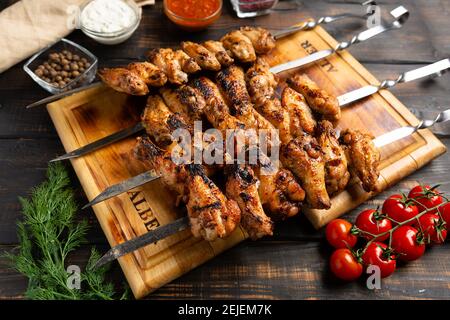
column 107, row 16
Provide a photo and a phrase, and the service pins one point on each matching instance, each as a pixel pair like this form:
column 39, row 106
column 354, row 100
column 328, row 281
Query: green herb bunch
column 47, row 235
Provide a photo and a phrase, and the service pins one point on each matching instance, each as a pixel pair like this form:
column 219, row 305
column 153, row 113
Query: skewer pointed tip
column 106, row 258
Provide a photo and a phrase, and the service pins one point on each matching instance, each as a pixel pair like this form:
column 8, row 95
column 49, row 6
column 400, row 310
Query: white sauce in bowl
column 107, row 16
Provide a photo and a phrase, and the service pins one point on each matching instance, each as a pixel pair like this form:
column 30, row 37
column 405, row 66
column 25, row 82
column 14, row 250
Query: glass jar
column 253, row 8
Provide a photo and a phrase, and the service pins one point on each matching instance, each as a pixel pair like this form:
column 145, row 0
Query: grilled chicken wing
column 336, row 171
column 216, row 47
column 279, row 191
column 211, row 214
column 202, row 56
column 261, row 39
column 305, row 158
column 318, row 99
column 242, row 186
column 172, row 175
column 151, row 74
column 282, row 199
column 216, row 110
column 160, row 122
column 232, row 84
column 299, row 112
column 185, row 101
column 187, row 63
column 239, row 45
column 123, row 80
column 261, row 84
column 363, row 157
column 165, row 60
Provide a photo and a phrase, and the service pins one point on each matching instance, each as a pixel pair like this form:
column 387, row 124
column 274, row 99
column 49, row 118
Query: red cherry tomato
column 400, row 208
column 433, row 228
column 407, row 243
column 338, row 234
column 426, row 196
column 344, row 265
column 445, row 213
column 377, row 254
column 371, row 221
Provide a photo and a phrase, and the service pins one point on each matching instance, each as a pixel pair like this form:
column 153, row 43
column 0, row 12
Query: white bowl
column 114, row 37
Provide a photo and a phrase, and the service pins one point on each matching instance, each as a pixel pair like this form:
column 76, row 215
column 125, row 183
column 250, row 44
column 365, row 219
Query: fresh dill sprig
column 47, row 235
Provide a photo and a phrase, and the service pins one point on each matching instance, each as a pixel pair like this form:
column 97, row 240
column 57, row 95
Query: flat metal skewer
column 122, row 187
column 312, row 23
column 400, row 15
column 183, row 223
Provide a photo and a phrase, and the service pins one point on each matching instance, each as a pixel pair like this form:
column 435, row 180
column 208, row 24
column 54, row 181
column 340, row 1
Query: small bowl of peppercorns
column 63, row 66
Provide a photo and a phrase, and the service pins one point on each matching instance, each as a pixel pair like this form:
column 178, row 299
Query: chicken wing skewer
column 174, row 66
column 279, row 192
column 211, row 214
column 363, row 157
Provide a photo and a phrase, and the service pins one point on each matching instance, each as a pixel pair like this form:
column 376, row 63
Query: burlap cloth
column 30, row 25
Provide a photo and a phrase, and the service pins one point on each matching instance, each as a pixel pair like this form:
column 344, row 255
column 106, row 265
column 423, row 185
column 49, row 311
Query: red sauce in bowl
column 193, row 14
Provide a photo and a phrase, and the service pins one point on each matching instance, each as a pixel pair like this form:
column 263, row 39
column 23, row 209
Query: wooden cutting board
column 97, row 112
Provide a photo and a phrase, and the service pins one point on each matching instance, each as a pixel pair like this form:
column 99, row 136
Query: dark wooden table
column 293, row 263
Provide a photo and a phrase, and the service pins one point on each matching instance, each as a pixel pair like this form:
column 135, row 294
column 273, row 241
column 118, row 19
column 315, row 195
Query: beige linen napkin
column 30, row 25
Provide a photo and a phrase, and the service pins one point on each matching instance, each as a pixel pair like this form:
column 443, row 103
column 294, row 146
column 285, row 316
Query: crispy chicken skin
column 280, row 193
column 336, row 171
column 239, row 45
column 202, row 56
column 160, row 121
column 185, row 101
column 212, row 215
column 260, row 38
column 232, row 84
column 300, row 114
column 216, row 110
column 304, row 157
column 172, row 175
column 166, row 60
column 261, row 84
column 318, row 99
column 151, row 74
column 282, row 199
column 187, row 63
column 216, row 47
column 242, row 186
column 363, row 157
column 123, row 80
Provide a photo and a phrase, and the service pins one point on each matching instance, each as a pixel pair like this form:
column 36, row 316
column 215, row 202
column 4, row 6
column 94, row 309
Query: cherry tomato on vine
column 427, row 196
column 373, row 222
column 407, row 243
column 338, row 234
column 344, row 265
column 445, row 213
column 378, row 254
column 400, row 208
column 433, row 228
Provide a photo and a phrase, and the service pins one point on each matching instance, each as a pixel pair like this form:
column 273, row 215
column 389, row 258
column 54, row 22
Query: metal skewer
column 308, row 25
column 435, row 69
column 311, row 24
column 183, row 223
column 400, row 14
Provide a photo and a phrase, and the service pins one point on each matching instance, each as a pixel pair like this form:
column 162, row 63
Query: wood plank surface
column 28, row 140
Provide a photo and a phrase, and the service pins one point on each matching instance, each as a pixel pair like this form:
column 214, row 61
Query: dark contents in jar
column 255, row 5
column 61, row 68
